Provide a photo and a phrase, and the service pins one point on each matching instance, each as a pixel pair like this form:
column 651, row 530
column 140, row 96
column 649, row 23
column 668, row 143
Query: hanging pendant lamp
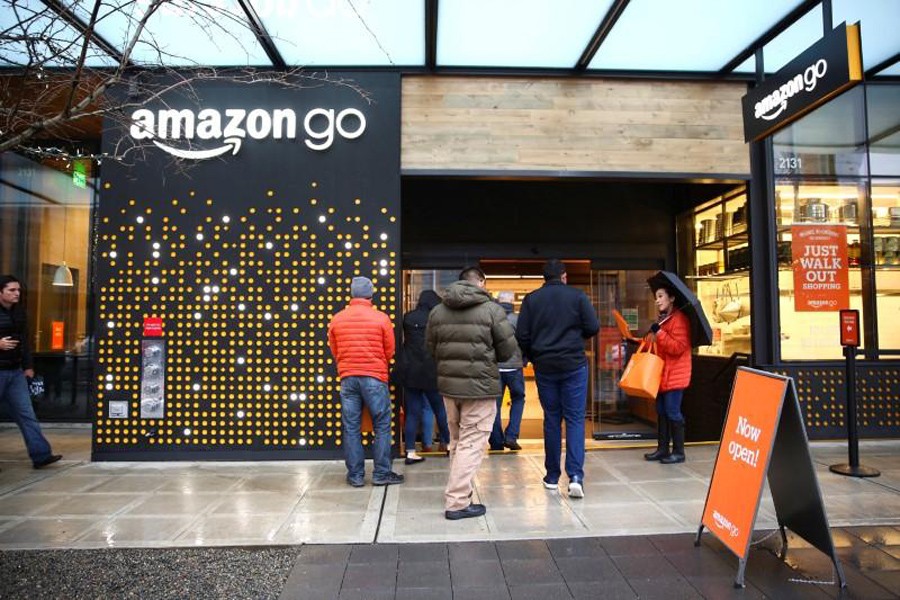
column 63, row 276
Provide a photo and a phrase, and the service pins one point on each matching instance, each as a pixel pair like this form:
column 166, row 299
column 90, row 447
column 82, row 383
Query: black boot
column 677, row 456
column 662, row 440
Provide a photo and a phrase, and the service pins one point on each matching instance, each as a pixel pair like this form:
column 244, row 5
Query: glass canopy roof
column 681, row 37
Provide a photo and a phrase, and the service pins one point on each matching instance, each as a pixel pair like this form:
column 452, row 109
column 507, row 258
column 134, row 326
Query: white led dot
column 383, row 262
column 206, row 289
column 109, row 377
column 302, row 441
column 383, row 272
column 240, row 414
column 241, row 306
column 301, row 397
column 268, row 245
column 383, row 236
column 321, row 280
column 241, row 360
column 267, row 387
column 348, row 245
column 215, row 289
column 140, row 219
column 199, row 236
column 156, row 245
column 295, row 307
column 110, row 324
column 320, row 378
column 293, row 397
column 187, row 431
column 196, row 387
column 113, row 254
column 155, row 254
column 207, row 298
column 155, row 280
column 267, row 316
column 109, row 386
column 232, row 272
column 226, row 219
column 321, row 218
column 198, row 316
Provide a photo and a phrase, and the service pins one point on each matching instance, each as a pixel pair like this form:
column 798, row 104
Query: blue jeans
column 514, row 381
column 428, row 424
column 14, row 392
column 668, row 405
column 563, row 396
column 374, row 393
column 415, row 401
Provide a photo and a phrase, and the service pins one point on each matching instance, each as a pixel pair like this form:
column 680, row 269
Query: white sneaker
column 576, row 490
column 550, row 486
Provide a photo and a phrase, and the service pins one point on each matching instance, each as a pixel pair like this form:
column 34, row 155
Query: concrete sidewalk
column 263, row 529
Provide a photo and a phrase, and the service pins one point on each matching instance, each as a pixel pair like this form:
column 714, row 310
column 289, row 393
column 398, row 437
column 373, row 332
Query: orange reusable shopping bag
column 643, row 372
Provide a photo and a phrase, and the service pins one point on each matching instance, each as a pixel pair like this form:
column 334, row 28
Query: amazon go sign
column 178, row 132
column 772, row 105
column 827, row 68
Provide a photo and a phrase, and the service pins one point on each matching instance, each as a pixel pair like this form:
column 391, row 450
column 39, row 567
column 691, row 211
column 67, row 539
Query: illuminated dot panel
column 245, row 297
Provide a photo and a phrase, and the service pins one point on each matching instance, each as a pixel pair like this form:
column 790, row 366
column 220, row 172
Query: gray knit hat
column 361, row 287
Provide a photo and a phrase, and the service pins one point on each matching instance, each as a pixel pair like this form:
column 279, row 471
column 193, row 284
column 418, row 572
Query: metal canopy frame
column 580, row 68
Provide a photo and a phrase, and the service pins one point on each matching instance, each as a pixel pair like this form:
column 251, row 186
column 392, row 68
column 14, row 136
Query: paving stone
column 523, row 549
column 424, row 553
column 423, row 574
column 531, row 572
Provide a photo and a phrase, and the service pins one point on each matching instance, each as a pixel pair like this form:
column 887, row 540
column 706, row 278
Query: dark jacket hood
column 428, row 299
column 462, row 294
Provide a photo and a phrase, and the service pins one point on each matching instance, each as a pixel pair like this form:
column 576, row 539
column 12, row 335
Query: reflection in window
column 44, row 232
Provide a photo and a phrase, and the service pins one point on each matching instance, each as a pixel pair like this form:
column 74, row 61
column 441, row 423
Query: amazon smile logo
column 222, row 132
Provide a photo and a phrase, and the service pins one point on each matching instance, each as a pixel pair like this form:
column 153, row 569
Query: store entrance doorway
column 610, row 414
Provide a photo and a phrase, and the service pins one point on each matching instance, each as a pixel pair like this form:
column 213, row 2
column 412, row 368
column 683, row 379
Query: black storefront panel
column 232, row 228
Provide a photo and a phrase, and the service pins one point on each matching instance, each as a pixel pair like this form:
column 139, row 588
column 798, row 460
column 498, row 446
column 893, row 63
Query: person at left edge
column 361, row 339
column 15, row 366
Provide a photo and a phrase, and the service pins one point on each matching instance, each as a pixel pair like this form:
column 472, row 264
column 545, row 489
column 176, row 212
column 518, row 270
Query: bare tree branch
column 49, row 90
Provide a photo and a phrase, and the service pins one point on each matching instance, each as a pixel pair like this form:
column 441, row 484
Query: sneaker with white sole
column 550, row 485
column 576, row 490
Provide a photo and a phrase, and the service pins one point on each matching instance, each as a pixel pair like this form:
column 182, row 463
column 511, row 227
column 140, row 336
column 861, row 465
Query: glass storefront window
column 718, row 262
column 822, row 164
column 886, row 255
column 45, row 213
column 806, row 334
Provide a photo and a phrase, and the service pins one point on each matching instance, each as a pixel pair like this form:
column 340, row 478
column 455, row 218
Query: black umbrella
column 685, row 301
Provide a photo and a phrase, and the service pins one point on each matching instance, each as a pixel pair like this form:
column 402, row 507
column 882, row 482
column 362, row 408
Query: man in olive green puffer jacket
column 468, row 334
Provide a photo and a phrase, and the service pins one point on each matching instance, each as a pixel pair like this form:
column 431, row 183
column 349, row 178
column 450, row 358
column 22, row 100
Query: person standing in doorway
column 468, row 335
column 361, row 339
column 418, row 376
column 672, row 334
column 554, row 322
column 512, row 378
column 16, row 367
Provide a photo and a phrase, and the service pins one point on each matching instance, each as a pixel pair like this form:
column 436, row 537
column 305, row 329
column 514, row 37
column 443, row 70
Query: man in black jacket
column 15, row 365
column 554, row 322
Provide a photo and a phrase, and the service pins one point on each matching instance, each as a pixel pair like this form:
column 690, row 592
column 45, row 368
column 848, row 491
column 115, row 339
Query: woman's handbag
column 643, row 373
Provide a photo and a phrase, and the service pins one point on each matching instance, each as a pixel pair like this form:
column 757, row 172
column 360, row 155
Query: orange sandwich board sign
column 764, row 435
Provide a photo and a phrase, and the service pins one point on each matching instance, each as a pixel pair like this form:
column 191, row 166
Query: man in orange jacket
column 362, row 341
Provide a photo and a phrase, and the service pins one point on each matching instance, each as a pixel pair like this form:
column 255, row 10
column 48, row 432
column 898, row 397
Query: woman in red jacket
column 672, row 333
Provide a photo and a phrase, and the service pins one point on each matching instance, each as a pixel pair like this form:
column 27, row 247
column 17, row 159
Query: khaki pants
column 470, row 421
